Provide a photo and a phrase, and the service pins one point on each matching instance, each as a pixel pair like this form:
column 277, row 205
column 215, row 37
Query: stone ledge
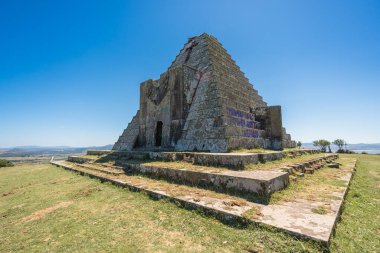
column 261, row 183
column 78, row 159
column 231, row 160
column 98, row 152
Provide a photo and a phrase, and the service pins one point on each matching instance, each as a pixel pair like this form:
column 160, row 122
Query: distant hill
column 26, row 151
column 23, row 151
column 353, row 147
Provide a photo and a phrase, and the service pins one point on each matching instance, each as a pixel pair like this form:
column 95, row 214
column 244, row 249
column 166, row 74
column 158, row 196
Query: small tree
column 299, row 144
column 5, row 163
column 322, row 144
column 340, row 143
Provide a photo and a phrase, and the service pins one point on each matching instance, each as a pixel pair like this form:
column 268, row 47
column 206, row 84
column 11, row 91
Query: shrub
column 5, row 163
column 339, row 143
column 322, row 144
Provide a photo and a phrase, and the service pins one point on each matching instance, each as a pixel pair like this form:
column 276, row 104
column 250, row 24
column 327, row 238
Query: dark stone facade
column 203, row 102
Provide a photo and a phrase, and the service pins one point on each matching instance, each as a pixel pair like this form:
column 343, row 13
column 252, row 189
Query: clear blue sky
column 70, row 70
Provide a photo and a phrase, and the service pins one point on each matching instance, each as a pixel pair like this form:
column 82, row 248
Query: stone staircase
column 228, row 194
column 204, row 170
column 299, row 169
column 129, row 137
column 255, row 182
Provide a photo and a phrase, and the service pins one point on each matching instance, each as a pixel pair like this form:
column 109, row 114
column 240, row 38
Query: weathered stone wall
column 128, row 139
column 222, row 116
column 238, row 99
column 98, row 152
column 287, row 140
column 200, row 131
column 78, row 159
column 163, row 101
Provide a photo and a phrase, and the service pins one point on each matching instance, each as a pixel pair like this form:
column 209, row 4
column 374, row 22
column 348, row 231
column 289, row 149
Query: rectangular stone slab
column 260, row 182
column 235, row 160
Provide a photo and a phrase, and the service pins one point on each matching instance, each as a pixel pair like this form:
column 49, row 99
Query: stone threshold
column 295, row 218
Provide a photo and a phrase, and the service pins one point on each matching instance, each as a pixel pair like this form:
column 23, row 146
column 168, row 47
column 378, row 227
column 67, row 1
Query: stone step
column 98, row 152
column 259, row 182
column 231, row 205
column 231, row 160
column 299, row 152
column 300, row 167
column 309, row 170
column 308, row 166
column 103, row 169
column 333, row 165
column 299, row 174
column 79, row 159
column 287, row 169
column 125, row 155
column 295, row 218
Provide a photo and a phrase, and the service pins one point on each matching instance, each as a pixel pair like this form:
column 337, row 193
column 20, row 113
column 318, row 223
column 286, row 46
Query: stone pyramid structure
column 203, row 102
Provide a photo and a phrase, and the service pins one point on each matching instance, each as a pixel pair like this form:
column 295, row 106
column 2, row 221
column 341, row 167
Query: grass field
column 44, row 208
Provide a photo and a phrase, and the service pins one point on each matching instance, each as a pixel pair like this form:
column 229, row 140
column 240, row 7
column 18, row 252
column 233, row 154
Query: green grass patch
column 47, row 209
column 359, row 228
column 320, row 210
column 53, row 210
column 252, row 213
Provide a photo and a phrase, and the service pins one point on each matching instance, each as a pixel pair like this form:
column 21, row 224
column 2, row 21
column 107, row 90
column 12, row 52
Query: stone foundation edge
column 223, row 216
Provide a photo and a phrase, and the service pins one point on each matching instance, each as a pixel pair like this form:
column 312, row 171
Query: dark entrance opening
column 158, row 133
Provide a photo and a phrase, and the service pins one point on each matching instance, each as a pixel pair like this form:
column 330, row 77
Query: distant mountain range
column 21, row 151
column 353, row 147
column 24, row 151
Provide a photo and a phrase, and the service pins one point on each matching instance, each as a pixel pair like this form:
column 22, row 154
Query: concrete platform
column 295, row 216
